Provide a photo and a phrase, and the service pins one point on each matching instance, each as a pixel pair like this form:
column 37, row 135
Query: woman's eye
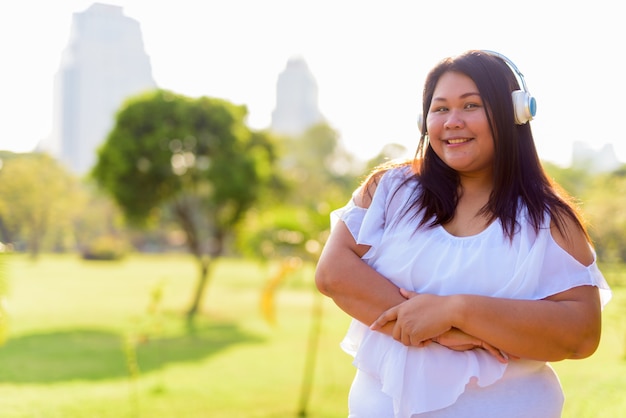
column 472, row 105
column 440, row 109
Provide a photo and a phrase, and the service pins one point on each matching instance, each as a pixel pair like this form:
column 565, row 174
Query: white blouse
column 430, row 260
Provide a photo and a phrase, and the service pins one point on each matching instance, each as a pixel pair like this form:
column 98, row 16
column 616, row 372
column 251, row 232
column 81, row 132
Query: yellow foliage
column 268, row 305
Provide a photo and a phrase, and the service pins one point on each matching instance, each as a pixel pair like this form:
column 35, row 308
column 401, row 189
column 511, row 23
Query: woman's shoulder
column 569, row 234
column 566, row 230
column 390, row 172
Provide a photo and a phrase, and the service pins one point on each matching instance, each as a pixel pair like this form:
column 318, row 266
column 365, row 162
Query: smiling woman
column 466, row 270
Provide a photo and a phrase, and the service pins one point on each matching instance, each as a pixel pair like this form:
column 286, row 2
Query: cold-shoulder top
column 430, row 260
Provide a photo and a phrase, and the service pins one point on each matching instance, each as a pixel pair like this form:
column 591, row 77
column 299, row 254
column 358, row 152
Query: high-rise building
column 103, row 64
column 296, row 100
column 601, row 160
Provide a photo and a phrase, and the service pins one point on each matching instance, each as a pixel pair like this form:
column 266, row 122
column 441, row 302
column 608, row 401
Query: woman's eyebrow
column 463, row 96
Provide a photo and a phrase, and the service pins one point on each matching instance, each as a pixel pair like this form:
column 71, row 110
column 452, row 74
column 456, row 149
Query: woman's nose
column 454, row 120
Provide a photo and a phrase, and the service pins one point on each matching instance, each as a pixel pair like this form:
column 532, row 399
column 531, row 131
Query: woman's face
column 457, row 125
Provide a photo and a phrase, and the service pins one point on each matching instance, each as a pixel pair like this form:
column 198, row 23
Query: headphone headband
column 511, row 64
column 524, row 105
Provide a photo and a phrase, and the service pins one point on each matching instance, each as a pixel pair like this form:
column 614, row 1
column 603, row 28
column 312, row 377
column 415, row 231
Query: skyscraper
column 103, row 64
column 296, row 100
column 602, row 160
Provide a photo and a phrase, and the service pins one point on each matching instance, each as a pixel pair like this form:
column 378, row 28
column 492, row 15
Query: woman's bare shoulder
column 365, row 194
column 572, row 238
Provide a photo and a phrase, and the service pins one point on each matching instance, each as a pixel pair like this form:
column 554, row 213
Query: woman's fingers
column 408, row 293
column 387, row 316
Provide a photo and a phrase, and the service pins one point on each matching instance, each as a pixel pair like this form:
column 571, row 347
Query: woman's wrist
column 456, row 304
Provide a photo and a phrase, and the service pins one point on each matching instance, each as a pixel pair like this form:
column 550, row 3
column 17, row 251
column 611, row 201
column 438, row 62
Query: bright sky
column 369, row 58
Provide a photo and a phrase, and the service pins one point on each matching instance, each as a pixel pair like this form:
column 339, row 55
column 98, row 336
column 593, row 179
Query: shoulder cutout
column 573, row 240
column 363, row 197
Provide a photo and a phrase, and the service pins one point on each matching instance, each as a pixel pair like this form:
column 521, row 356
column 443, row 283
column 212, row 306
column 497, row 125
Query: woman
column 471, row 268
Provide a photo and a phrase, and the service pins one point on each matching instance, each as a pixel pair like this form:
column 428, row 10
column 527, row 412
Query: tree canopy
column 194, row 158
column 38, row 201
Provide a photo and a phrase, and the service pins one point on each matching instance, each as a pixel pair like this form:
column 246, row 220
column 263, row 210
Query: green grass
column 85, row 344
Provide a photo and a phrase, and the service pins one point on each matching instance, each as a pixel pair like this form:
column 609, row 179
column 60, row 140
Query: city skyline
column 104, row 63
column 369, row 59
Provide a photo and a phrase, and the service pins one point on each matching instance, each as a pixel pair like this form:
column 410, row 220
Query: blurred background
column 168, row 170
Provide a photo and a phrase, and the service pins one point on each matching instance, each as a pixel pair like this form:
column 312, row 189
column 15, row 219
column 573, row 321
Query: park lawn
column 93, row 340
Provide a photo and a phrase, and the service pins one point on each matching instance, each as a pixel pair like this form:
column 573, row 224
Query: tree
column 4, row 317
column 601, row 197
column 389, row 152
column 604, row 203
column 100, row 230
column 574, row 180
column 193, row 158
column 38, row 200
column 318, row 176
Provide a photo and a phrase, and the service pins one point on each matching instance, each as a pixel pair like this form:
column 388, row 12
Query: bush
column 106, row 248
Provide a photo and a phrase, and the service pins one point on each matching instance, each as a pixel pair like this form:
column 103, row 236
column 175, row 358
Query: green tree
column 293, row 221
column 389, row 152
column 604, row 202
column 4, row 316
column 574, row 180
column 38, row 201
column 600, row 197
column 195, row 159
column 100, row 230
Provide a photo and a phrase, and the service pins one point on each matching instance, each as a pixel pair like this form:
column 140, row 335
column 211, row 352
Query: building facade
column 103, row 64
column 296, row 100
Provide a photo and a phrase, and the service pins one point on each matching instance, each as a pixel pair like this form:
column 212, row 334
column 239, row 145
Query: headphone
column 524, row 105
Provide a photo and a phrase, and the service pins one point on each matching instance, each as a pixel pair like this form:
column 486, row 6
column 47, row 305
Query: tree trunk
column 34, row 243
column 201, row 284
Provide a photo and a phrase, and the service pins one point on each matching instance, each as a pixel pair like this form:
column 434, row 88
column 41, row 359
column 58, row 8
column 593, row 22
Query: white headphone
column 524, row 105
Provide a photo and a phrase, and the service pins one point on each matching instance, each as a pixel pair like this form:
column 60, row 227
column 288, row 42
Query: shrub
column 107, row 248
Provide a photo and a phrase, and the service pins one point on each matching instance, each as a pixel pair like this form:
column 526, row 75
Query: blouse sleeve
column 351, row 214
column 367, row 224
column 559, row 263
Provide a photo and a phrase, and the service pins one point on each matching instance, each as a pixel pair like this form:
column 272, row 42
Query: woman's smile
column 457, row 141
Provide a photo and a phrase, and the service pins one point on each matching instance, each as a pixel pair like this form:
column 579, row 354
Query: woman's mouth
column 456, row 141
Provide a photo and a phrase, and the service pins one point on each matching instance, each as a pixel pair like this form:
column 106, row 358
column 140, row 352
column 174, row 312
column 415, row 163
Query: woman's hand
column 418, row 320
column 421, row 320
column 457, row 340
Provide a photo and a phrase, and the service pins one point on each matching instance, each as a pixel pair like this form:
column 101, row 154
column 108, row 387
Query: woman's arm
column 565, row 325
column 356, row 288
column 341, row 274
column 364, row 294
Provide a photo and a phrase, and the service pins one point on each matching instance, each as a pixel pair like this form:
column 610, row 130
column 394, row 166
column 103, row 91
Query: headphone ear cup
column 420, row 121
column 524, row 106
